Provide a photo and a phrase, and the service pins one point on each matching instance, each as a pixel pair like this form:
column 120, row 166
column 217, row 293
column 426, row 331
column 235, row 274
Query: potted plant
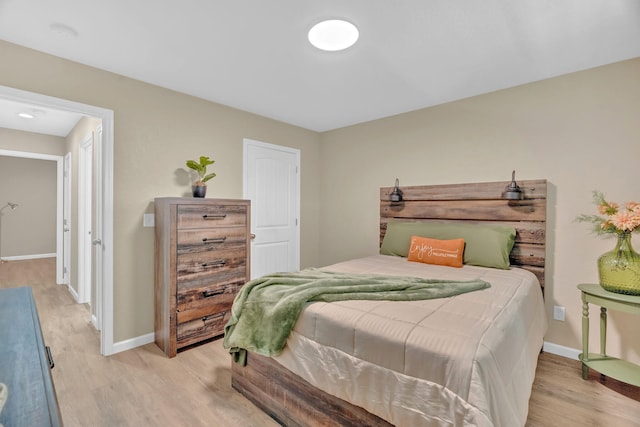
column 199, row 187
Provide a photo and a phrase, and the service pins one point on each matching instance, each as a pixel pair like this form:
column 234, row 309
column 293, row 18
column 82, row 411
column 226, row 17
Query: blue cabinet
column 25, row 364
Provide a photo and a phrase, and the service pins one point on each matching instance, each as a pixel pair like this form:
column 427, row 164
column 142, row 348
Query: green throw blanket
column 266, row 309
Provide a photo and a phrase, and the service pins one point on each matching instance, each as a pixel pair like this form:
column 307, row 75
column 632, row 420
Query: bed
column 464, row 360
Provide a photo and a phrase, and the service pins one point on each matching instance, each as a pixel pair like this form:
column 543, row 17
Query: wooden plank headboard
column 479, row 203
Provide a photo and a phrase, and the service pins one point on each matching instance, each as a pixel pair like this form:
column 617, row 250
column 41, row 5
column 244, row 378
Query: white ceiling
column 45, row 120
column 254, row 54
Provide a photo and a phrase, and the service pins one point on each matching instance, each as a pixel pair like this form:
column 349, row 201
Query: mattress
column 468, row 360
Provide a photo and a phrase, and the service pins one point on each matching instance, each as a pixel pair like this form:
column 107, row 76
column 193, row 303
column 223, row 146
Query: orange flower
column 608, row 208
column 626, row 220
column 612, row 218
column 633, row 206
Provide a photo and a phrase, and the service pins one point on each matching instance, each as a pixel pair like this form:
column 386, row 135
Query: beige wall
column 31, row 228
column 155, row 132
column 580, row 132
column 30, row 142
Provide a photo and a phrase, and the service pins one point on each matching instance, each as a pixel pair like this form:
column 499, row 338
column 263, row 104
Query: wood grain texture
column 533, row 189
column 479, row 203
column 489, row 210
column 201, row 260
column 210, row 213
column 293, row 401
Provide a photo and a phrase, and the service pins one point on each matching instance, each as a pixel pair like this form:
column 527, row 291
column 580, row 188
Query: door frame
column 98, row 223
column 85, row 206
column 66, row 220
column 104, row 283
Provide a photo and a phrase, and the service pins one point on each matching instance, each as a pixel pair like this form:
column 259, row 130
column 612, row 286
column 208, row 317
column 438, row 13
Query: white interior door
column 98, row 230
column 85, row 218
column 272, row 183
column 66, row 219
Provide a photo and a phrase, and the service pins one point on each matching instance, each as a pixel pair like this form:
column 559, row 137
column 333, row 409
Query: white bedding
column 469, row 360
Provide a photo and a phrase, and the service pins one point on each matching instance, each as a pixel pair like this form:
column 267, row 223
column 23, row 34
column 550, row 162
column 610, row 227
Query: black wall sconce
column 513, row 191
column 396, row 194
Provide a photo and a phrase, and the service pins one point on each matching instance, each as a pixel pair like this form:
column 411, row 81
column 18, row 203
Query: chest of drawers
column 201, row 261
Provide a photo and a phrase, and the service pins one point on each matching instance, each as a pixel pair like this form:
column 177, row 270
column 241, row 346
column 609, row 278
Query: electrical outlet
column 148, row 220
column 558, row 313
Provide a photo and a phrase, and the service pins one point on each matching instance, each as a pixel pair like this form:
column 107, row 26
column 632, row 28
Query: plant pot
column 199, row 190
column 619, row 269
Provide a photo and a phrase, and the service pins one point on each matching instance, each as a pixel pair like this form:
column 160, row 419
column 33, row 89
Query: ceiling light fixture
column 31, row 113
column 64, row 30
column 333, row 35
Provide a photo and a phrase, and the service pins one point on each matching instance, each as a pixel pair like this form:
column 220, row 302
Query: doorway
column 104, row 181
column 272, row 183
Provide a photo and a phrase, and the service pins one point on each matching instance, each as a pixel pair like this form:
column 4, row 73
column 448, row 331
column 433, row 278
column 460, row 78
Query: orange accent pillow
column 440, row 252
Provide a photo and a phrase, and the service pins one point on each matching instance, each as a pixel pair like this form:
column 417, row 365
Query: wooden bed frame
column 291, row 400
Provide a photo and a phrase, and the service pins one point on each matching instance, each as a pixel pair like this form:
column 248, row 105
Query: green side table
column 615, row 368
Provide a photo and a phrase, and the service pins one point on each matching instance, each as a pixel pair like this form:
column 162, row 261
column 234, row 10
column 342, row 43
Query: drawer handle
column 205, row 319
column 49, row 357
column 214, row 216
column 216, row 240
column 216, row 263
column 208, row 294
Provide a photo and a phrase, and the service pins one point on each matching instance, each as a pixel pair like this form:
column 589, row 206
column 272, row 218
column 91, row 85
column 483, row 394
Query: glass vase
column 619, row 269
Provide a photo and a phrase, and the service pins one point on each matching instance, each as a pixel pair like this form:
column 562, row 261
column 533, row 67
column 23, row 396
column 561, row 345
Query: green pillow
column 485, row 245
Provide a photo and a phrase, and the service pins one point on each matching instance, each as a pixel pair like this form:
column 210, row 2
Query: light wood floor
column 141, row 387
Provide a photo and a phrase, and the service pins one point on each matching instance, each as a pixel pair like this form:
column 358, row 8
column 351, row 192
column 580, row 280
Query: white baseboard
column 560, row 350
column 133, row 343
column 94, row 322
column 73, row 292
column 23, row 257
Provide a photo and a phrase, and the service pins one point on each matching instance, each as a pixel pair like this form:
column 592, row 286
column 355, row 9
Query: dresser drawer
column 210, row 239
column 219, row 294
column 200, row 324
column 199, row 216
column 200, row 267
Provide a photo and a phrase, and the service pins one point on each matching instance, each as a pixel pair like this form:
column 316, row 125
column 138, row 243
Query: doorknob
column 96, row 242
column 253, row 236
